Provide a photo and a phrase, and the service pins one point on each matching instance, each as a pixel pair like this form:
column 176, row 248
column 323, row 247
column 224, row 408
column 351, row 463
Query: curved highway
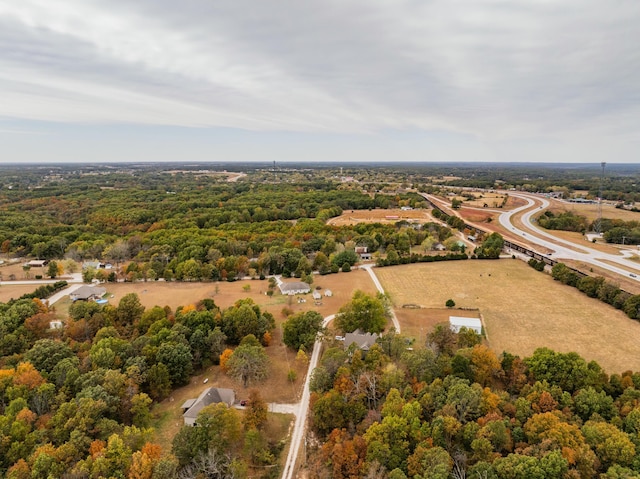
column 562, row 248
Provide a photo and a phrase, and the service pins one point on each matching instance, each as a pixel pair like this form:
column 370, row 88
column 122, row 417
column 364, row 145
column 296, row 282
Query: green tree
column 248, row 363
column 129, row 311
column 365, row 312
column 47, row 353
column 178, row 360
column 491, row 247
column 52, row 269
column 301, row 329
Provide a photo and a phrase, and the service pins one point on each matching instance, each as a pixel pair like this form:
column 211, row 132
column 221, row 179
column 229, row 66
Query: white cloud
column 494, row 69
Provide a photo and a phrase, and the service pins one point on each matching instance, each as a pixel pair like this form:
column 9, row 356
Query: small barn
column 456, row 323
column 192, row 407
column 294, row 287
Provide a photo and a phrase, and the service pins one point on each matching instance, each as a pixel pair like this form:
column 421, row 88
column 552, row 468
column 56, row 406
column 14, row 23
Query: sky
column 344, row 80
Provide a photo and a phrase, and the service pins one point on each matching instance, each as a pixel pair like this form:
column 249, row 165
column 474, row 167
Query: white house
column 294, row 287
column 456, row 323
column 363, row 253
column 55, row 324
column 192, row 407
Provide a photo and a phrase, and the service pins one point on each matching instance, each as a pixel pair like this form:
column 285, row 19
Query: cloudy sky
column 343, row 80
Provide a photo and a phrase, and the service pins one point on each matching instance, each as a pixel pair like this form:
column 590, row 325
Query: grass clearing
column 390, row 216
column 522, row 309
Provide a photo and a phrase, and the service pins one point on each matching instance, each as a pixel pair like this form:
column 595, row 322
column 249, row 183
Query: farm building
column 363, row 340
column 363, row 253
column 37, row 263
column 295, row 287
column 87, row 293
column 192, row 407
column 328, row 293
column 317, row 296
column 456, row 323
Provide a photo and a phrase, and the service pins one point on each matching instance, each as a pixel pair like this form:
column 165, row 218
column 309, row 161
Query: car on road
column 243, row 403
column 632, row 275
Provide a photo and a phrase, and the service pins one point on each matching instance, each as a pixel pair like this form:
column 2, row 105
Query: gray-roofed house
column 294, row 287
column 363, row 340
column 87, row 293
column 192, row 407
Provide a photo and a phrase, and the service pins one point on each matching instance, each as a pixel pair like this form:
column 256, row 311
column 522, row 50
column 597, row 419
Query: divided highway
column 562, row 248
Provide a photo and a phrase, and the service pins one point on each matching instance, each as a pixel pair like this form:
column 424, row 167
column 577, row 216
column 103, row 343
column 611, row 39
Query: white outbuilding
column 456, row 323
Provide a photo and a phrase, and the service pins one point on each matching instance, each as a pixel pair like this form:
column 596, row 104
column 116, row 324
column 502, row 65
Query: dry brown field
column 14, row 291
column 590, row 210
column 492, row 200
column 417, row 323
column 522, row 309
column 352, row 217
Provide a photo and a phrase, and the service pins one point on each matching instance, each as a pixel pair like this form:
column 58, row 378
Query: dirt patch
column 522, row 309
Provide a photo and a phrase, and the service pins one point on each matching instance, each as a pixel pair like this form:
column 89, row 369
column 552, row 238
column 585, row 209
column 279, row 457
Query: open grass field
column 483, row 199
column 390, row 216
column 14, row 291
column 590, row 210
column 522, row 309
column 417, row 323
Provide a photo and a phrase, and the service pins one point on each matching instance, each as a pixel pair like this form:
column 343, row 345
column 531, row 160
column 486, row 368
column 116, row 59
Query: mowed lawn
column 522, row 309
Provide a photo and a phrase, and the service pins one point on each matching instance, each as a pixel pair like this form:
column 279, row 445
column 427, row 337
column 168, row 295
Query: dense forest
column 456, row 409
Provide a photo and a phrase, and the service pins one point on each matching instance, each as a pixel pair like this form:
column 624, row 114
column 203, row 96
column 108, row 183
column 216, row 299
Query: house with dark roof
column 192, row 407
column 87, row 293
column 294, row 287
column 362, row 340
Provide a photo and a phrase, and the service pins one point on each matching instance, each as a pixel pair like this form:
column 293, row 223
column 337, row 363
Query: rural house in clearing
column 87, row 293
column 192, row 407
column 363, row 340
column 456, row 323
column 363, row 253
column 295, row 287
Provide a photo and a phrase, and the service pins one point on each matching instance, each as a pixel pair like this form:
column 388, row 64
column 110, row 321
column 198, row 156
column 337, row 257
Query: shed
column 457, row 322
column 317, row 295
column 328, row 293
column 55, row 324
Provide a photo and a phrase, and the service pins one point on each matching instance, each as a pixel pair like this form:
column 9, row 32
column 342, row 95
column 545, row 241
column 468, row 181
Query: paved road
column 297, row 437
column 374, row 278
column 561, row 248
